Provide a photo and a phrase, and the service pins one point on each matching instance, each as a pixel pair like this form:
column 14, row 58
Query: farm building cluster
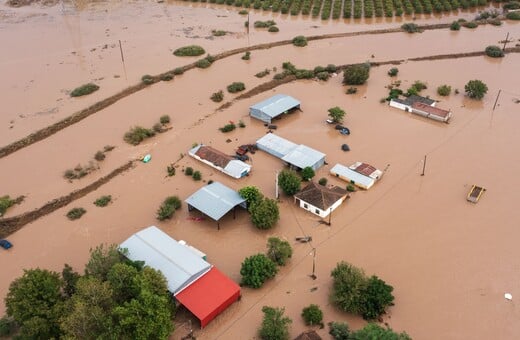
column 421, row 106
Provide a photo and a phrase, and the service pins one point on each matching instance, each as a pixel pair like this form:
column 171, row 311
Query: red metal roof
column 365, row 169
column 431, row 110
column 209, row 296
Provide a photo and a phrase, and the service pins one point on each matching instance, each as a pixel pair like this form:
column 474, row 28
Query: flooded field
column 449, row 262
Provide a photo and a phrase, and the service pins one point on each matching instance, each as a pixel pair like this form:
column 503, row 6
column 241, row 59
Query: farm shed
column 320, row 200
column 406, row 103
column 273, row 107
column 215, row 200
column 421, row 106
column 297, row 156
column 352, row 176
column 209, row 296
column 220, row 161
column 159, row 251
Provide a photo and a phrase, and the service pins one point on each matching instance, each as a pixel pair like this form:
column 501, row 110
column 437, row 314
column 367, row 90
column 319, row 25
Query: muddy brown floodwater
column 450, row 262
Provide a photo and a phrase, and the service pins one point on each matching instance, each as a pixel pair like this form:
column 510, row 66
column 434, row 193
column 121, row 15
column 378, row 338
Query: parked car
column 330, row 121
column 5, row 244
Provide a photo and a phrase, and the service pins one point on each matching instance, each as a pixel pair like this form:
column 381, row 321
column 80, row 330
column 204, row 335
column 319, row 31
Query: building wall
column 259, row 115
column 431, row 116
column 400, row 106
column 318, row 211
column 360, row 185
column 212, row 165
column 318, row 164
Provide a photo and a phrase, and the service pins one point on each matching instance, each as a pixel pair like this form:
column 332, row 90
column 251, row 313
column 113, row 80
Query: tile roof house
column 421, row 106
column 220, row 161
column 319, row 199
column 359, row 174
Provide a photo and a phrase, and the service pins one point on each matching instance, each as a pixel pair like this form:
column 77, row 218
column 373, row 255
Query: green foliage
column 275, row 325
column 455, row 26
column 236, row 87
column 416, row 88
column 336, row 114
column 444, row 90
column 70, row 278
column 246, row 56
column 84, row 90
column 228, row 127
column 278, row 250
column 322, row 181
column 513, row 15
column 323, row 75
column 299, row 41
column 169, row 205
column 203, row 63
column 356, row 74
column 494, row 51
column 170, row 169
column 147, row 79
column 102, row 259
column 308, row 173
column 7, row 326
column 347, row 288
column 197, row 176
column 167, row 76
column 218, row 33
column 35, row 302
column 137, row 134
column 177, row 71
column 289, row 181
column 312, row 315
column 265, row 213
column 251, row 194
column 157, row 127
column 99, row 156
column 273, row 29
column 476, row 89
column 256, row 269
column 351, row 188
column 393, row 71
column 241, row 124
column 511, row 5
column 243, row 12
column 5, row 203
column 103, row 201
column 264, row 24
column 75, row 213
column 377, row 295
column 262, row 73
column 340, row 331
column 470, row 24
column 217, row 97
column 351, row 90
column 411, row 28
column 190, row 51
column 374, row 331
column 165, row 119
column 188, row 171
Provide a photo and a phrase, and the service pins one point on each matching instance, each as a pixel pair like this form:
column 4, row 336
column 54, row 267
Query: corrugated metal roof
column 178, row 264
column 303, row 156
column 279, row 145
column 215, row 200
column 344, row 171
column 276, row 105
column 236, row 168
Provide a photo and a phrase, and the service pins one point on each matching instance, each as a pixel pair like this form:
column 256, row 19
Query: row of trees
column 115, row 298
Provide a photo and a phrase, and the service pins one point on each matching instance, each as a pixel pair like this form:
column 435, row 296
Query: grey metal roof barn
column 298, row 156
column 215, row 200
column 158, row 250
column 273, row 107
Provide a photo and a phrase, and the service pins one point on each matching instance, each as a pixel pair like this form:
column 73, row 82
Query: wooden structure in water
column 474, row 193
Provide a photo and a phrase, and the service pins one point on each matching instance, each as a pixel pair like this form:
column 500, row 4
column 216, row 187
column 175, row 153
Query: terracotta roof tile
column 320, row 196
column 214, row 156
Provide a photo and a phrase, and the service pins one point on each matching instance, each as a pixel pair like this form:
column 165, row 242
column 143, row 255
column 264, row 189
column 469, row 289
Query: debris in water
column 313, row 289
column 508, row 296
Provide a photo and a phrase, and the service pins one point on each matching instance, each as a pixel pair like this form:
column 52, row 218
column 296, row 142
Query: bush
column 203, row 63
column 377, row 295
column 308, row 173
column 476, row 89
column 5, row 203
column 167, row 76
column 99, row 156
column 236, row 87
column 262, row 73
column 513, row 15
column 165, row 119
column 339, row 331
column 275, row 326
column 243, row 12
column 170, row 169
column 289, row 181
column 241, row 124
column 470, row 24
column 312, row 315
column 264, row 24
column 494, row 51
column 103, row 201
column 157, row 127
column 336, row 114
column 331, row 68
column 188, row 171
column 147, row 79
column 444, row 90
column 299, row 41
column 228, row 127
column 411, row 28
column 251, row 194
column 374, row 331
column 257, row 269
column 75, row 213
column 137, row 134
column 168, row 207
column 278, row 251
column 7, row 326
column 322, row 181
column 356, row 74
column 273, row 29
column 265, row 213
column 178, row 71
column 393, row 71
column 323, row 75
column 511, row 5
column 83, row 90
column 351, row 90
column 246, row 56
column 217, row 97
column 197, row 176
column 189, row 51
column 218, row 33
column 455, row 26
column 351, row 188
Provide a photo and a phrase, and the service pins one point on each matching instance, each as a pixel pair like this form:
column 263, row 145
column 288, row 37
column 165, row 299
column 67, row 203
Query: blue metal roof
column 276, row 105
column 303, row 156
column 215, row 200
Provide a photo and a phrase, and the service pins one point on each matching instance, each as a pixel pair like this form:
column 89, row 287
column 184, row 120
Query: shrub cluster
column 79, row 171
column 299, row 41
column 246, row 56
column 228, row 127
column 218, row 33
column 206, row 62
column 279, row 251
column 147, row 79
column 84, row 90
column 5, row 203
column 264, row 24
column 75, row 213
column 137, row 134
column 411, row 28
column 393, row 71
column 455, row 26
column 444, row 90
column 494, row 51
column 273, row 29
column 236, row 87
column 189, row 51
column 416, row 88
column 312, row 315
column 218, row 96
column 513, row 15
column 356, row 74
column 168, row 207
column 103, row 201
column 263, row 73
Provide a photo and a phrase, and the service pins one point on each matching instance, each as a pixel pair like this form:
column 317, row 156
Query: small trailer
column 474, row 193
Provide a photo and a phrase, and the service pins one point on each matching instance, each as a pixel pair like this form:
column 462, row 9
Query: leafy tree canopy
column 251, row 194
column 336, row 114
column 275, row 325
column 278, row 250
column 289, row 181
column 308, row 173
column 356, row 74
column 256, row 269
column 265, row 213
column 476, row 89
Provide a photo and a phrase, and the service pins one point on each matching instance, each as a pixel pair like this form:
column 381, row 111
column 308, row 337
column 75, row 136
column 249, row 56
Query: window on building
column 317, row 211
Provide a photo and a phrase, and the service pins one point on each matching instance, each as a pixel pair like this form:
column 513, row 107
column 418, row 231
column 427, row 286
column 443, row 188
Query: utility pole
column 330, row 217
column 276, row 186
column 313, row 275
column 424, row 165
column 505, row 42
column 494, row 106
column 122, row 58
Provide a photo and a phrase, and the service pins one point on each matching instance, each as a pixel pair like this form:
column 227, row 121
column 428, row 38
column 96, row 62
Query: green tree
column 444, row 90
column 340, row 331
column 275, row 325
column 289, row 181
column 102, row 259
column 336, row 114
column 348, row 286
column 373, row 331
column 256, row 269
column 35, row 302
column 121, row 278
column 70, row 277
column 278, row 250
column 476, row 89
column 251, row 194
column 356, row 74
column 265, row 213
column 308, row 173
column 494, row 51
column 377, row 295
column 312, row 315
